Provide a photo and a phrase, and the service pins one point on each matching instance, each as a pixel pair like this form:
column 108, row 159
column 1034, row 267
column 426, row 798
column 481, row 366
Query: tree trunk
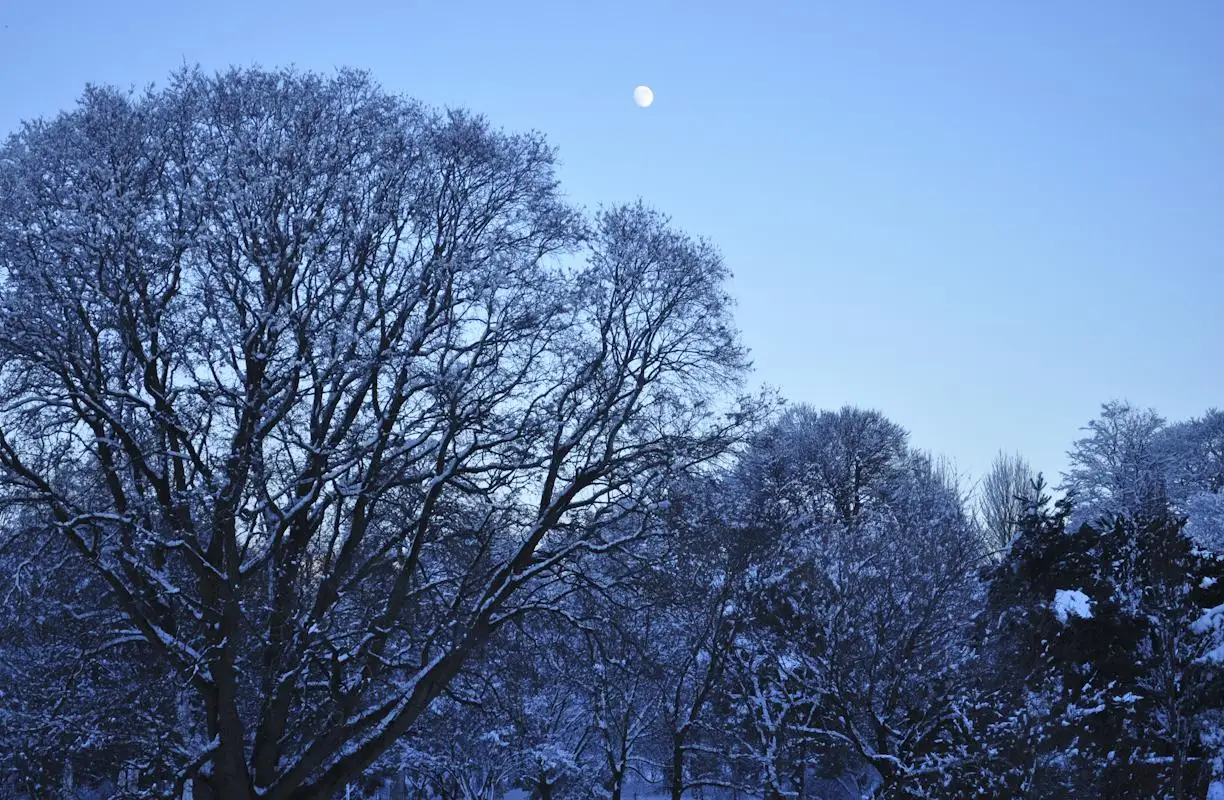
column 1179, row 773
column 677, row 769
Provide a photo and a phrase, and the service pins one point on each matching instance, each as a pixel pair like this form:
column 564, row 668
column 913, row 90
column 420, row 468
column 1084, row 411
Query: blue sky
column 983, row 219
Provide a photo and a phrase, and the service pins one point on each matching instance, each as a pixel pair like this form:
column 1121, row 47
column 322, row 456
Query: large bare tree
column 327, row 387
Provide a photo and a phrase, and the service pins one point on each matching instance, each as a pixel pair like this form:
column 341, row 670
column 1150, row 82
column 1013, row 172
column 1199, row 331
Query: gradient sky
column 982, row 218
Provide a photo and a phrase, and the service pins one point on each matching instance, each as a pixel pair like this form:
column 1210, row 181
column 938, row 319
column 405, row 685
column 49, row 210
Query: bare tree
column 327, row 388
column 823, row 465
column 1000, row 500
column 1119, row 467
column 850, row 640
column 699, row 570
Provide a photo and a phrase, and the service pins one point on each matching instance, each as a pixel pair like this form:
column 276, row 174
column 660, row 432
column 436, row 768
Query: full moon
column 643, row 96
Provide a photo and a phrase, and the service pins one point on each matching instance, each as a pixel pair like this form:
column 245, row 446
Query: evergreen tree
column 1092, row 676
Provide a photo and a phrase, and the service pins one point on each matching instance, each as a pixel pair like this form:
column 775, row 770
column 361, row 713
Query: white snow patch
column 1205, row 511
column 1071, row 603
column 1212, row 620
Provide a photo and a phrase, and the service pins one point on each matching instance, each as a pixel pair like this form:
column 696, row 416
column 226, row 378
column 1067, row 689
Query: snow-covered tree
column 326, row 388
column 1120, row 467
column 1194, row 453
column 1095, row 681
column 820, row 466
column 1133, row 462
column 1194, row 450
column 1000, row 500
column 855, row 616
column 80, row 699
column 697, row 579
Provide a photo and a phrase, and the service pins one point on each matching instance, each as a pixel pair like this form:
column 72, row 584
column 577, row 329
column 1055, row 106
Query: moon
column 643, row 96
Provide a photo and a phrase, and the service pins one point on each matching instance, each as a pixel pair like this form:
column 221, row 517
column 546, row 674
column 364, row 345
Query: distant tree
column 1194, row 450
column 1194, row 455
column 854, row 615
column 327, row 389
column 627, row 695
column 698, row 576
column 522, row 718
column 1120, row 466
column 539, row 705
column 820, row 466
column 1000, row 500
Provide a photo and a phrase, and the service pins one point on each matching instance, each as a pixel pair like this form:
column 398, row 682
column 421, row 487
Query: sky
column 982, row 218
